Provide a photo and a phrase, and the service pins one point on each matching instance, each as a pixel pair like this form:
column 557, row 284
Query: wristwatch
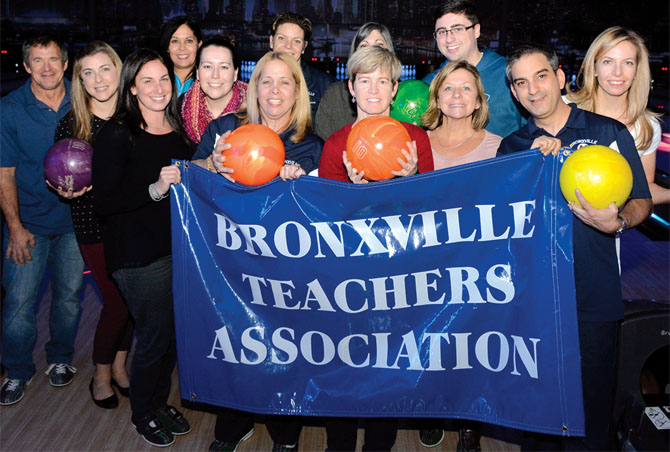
column 624, row 225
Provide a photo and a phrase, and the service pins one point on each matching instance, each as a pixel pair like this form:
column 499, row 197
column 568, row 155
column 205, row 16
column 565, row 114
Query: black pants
column 148, row 292
column 232, row 425
column 598, row 345
column 380, row 433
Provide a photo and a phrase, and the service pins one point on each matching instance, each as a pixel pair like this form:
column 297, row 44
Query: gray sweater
column 336, row 110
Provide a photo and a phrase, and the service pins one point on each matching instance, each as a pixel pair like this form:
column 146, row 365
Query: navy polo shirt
column 596, row 266
column 307, row 153
column 26, row 135
column 317, row 84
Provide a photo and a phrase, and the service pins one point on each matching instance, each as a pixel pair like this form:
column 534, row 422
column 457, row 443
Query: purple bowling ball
column 68, row 164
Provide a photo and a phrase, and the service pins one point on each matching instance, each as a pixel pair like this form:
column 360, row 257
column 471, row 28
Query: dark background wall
column 569, row 25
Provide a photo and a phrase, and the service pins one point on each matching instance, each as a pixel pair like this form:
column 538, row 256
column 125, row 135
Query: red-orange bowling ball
column 256, row 154
column 374, row 145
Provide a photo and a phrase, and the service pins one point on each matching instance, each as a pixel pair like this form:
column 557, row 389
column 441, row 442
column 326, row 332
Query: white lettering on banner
column 377, row 235
column 354, row 296
column 441, row 351
column 285, row 345
column 253, row 345
column 222, row 343
column 343, row 349
column 492, row 350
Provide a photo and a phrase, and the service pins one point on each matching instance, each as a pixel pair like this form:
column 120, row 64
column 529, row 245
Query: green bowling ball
column 411, row 101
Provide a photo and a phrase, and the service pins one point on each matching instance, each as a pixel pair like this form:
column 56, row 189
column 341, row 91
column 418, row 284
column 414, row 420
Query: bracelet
column 623, row 227
column 211, row 166
column 153, row 192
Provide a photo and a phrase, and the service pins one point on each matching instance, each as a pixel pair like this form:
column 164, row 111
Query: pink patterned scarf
column 196, row 114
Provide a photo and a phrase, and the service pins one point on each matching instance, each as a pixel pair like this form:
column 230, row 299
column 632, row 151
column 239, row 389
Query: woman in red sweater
column 373, row 81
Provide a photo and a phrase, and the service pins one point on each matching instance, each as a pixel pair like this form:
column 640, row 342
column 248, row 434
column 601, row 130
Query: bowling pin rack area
column 247, row 68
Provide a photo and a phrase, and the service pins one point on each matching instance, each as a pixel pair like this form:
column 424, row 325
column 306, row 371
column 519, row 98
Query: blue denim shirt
column 26, row 135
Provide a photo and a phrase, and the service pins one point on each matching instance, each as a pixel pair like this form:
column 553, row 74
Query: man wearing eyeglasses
column 456, row 31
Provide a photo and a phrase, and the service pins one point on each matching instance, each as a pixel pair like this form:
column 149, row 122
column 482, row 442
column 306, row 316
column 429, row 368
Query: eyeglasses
column 456, row 31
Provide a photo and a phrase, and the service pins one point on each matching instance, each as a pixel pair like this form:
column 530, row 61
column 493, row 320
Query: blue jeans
column 22, row 283
column 148, row 293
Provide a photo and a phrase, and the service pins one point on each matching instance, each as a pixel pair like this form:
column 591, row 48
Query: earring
column 353, row 99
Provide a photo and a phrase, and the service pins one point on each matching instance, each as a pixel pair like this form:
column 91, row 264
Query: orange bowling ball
column 600, row 173
column 374, row 145
column 256, row 154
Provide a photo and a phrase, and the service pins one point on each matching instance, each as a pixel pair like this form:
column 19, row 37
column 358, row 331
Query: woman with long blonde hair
column 94, row 93
column 277, row 97
column 615, row 80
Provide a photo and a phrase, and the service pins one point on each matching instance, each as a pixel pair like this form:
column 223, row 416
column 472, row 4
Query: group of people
column 182, row 102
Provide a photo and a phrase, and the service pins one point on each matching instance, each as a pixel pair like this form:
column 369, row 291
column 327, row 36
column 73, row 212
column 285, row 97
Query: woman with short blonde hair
column 336, row 109
column 368, row 59
column 373, row 82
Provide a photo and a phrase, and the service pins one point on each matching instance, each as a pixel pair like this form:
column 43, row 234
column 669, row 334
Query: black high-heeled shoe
column 109, row 403
column 125, row 392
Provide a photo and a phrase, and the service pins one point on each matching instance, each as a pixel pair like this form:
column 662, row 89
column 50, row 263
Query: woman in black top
column 94, row 92
column 132, row 175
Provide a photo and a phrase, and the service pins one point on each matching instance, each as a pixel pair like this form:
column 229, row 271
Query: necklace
column 623, row 115
column 158, row 128
column 456, row 145
column 611, row 109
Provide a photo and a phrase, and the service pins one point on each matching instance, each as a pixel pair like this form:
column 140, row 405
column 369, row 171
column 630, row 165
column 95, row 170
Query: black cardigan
column 136, row 228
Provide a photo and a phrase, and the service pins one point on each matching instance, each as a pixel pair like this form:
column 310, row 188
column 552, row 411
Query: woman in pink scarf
column 216, row 90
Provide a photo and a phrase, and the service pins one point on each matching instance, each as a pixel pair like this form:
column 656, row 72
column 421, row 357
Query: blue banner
column 448, row 294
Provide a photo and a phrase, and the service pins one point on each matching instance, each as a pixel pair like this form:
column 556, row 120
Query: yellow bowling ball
column 600, row 173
